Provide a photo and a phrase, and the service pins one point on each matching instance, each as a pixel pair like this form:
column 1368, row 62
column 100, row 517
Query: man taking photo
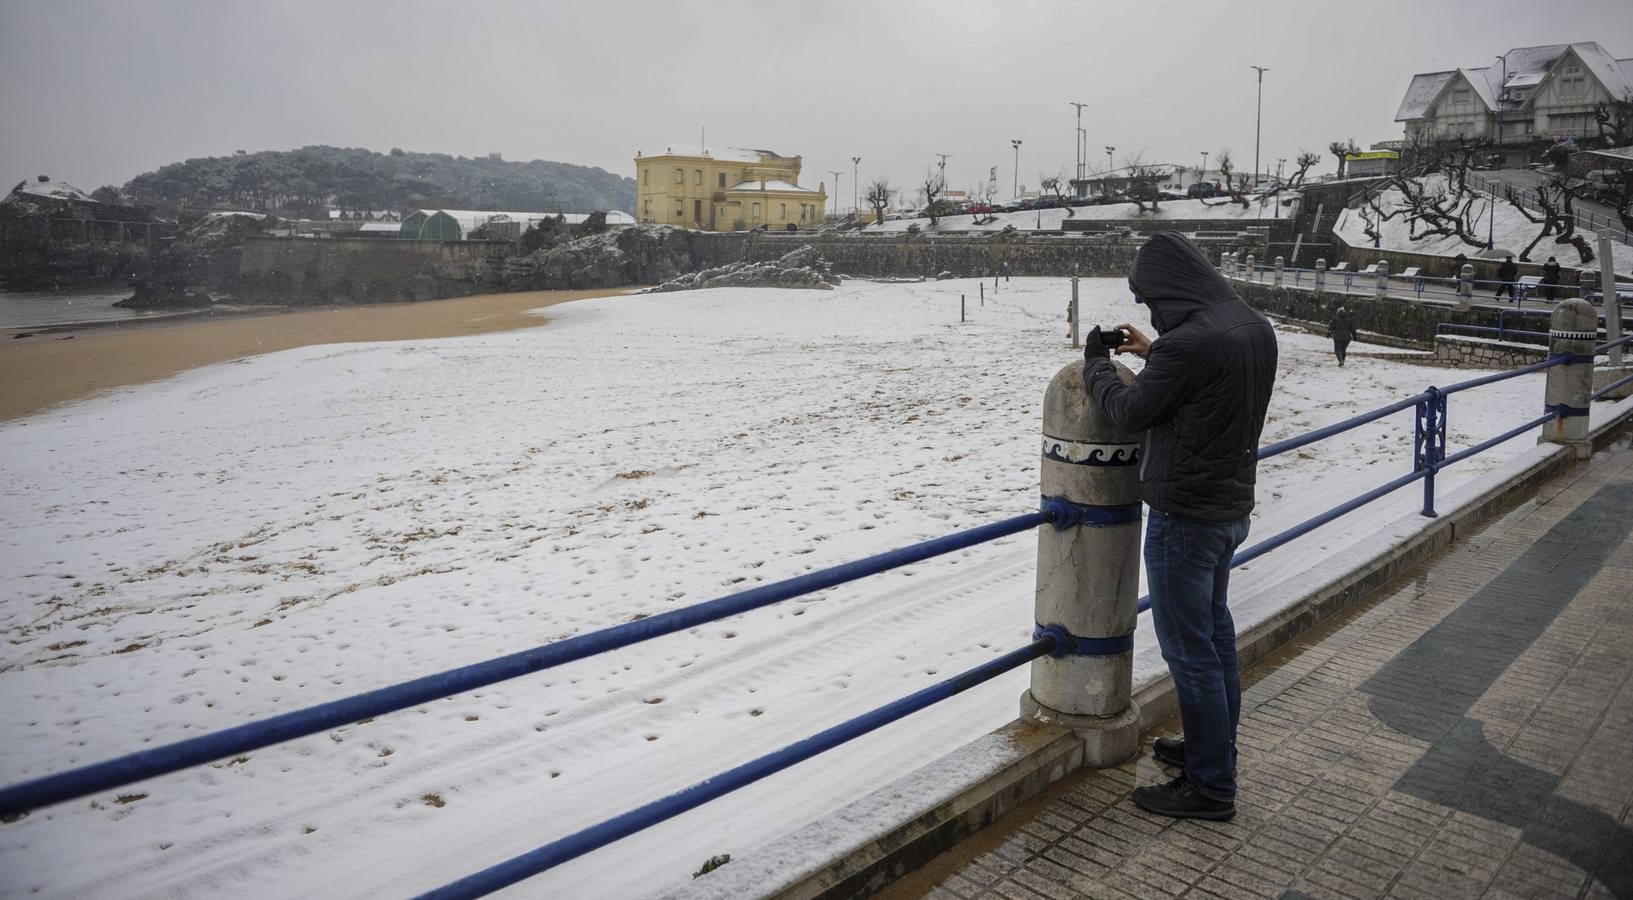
column 1201, row 400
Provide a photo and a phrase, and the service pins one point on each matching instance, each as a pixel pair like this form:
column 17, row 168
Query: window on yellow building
column 680, row 176
column 722, row 180
column 697, row 176
column 756, row 212
column 647, row 176
column 782, row 212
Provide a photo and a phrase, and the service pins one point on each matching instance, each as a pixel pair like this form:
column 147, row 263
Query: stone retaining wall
column 1408, row 320
column 962, row 255
column 303, row 272
column 1461, row 352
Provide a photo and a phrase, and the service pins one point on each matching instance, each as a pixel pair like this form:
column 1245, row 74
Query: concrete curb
column 878, row 839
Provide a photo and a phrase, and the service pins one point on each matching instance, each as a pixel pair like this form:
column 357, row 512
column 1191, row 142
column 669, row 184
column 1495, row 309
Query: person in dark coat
column 1550, row 278
column 1003, row 269
column 1507, row 274
column 1201, row 401
column 1342, row 332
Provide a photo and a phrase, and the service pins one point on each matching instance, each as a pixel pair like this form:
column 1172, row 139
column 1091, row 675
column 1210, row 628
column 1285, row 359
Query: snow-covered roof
column 772, row 186
column 60, row 190
column 1421, row 94
column 1484, row 81
column 1608, row 69
column 725, row 154
column 374, row 227
column 1526, row 79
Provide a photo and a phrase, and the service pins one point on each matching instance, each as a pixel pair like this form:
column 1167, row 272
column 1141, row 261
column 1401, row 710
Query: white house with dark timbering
column 1545, row 93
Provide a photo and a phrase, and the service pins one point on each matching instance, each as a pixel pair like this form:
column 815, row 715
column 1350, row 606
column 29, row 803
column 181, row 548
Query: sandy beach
column 55, row 366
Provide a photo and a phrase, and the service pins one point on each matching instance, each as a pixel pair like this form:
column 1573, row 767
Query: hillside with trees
column 303, row 182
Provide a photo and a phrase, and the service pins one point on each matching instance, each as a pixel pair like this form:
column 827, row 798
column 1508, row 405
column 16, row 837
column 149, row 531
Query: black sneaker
column 1169, row 750
column 1180, row 799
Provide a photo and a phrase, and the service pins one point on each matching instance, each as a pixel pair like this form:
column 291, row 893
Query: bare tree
column 1052, row 184
column 1142, row 179
column 933, row 187
column 1235, row 188
column 878, row 197
column 1558, row 218
column 983, row 194
column 1615, row 120
column 1428, row 213
column 1305, row 161
column 1342, row 149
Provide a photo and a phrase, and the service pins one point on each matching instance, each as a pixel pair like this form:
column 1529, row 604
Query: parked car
column 1201, row 190
column 1603, row 185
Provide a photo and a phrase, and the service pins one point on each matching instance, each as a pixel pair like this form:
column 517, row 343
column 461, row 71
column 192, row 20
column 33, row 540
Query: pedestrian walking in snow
column 1550, row 278
column 1201, row 401
column 1507, row 274
column 1003, row 269
column 1341, row 332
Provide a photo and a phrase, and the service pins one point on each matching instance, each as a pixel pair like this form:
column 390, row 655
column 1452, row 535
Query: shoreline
column 58, row 364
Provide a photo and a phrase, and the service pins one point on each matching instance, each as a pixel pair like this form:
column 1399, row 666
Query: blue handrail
column 123, row 770
column 579, row 843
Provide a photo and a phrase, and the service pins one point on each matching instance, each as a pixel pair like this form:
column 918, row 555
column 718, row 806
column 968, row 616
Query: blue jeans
column 1187, row 566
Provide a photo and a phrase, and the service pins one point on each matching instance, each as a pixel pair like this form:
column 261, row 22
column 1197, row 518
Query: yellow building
column 724, row 189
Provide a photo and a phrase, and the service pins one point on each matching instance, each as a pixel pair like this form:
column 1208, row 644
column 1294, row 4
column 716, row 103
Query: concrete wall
column 1459, row 352
column 909, row 255
column 1412, row 321
column 345, row 271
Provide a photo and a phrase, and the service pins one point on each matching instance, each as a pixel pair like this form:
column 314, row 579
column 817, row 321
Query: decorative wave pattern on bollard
column 1572, row 352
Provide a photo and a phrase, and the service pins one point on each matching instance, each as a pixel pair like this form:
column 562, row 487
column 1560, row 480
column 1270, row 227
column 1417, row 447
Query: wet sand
column 63, row 364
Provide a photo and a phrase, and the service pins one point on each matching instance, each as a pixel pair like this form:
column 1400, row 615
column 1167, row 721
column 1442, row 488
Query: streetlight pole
column 1107, row 183
column 1258, row 119
column 1077, row 138
column 1502, row 93
column 837, row 176
column 1203, row 172
column 1015, row 192
column 944, row 157
column 856, row 184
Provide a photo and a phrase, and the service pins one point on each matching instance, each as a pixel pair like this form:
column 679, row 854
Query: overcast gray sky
column 97, row 92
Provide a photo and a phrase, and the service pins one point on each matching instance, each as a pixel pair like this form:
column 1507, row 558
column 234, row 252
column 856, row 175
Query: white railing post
column 1383, row 279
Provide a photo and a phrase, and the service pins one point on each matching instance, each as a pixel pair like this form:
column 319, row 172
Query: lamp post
column 856, row 184
column 1077, row 137
column 1015, row 192
column 1107, row 184
column 1258, row 119
column 1202, row 172
column 944, row 157
column 837, row 178
column 1502, row 95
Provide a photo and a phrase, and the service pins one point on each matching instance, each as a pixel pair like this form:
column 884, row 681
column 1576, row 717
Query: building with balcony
column 1540, row 94
column 724, row 189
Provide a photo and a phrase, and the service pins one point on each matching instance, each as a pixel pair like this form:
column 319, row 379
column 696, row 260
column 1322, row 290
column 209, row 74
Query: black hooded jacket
column 1202, row 395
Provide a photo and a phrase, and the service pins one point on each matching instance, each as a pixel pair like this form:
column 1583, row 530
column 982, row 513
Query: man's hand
column 1093, row 349
column 1137, row 343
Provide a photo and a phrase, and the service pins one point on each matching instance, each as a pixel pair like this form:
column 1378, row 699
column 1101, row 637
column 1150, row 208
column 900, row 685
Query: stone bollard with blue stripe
column 1321, row 275
column 1382, row 289
column 1572, row 331
column 1280, row 266
column 1088, row 579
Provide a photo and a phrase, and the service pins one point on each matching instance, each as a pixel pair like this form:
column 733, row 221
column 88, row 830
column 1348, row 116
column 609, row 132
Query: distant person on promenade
column 1507, row 274
column 1341, row 332
column 1201, row 400
column 1003, row 269
column 1550, row 278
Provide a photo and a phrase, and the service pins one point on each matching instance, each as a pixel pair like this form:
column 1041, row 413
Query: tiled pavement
column 1471, row 735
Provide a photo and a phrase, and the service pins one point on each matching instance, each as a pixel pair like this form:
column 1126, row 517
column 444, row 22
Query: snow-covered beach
column 262, row 535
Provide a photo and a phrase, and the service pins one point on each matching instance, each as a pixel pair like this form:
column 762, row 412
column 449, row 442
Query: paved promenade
column 1470, row 735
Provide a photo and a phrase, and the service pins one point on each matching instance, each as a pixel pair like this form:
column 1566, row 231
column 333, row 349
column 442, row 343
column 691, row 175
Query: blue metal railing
column 1429, row 458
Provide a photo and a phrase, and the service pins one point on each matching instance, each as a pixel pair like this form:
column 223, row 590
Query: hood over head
column 1174, row 279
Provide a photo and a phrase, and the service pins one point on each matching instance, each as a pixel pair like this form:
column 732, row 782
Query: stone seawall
column 1411, row 321
column 910, row 255
column 339, row 271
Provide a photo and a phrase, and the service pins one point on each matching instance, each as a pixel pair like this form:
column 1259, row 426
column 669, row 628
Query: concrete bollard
column 1088, row 576
column 1321, row 276
column 1572, row 330
column 1252, row 272
column 1465, row 281
column 1383, row 279
column 1280, row 265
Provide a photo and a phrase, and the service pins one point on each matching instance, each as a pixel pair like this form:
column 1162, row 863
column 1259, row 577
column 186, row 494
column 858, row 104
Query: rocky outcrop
column 203, row 259
column 801, row 268
column 641, row 254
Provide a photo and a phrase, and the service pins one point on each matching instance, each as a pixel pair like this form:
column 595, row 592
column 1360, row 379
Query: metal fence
column 1595, row 222
column 1430, row 456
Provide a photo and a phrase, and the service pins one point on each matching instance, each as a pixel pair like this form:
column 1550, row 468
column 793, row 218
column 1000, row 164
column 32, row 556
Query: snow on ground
column 259, row 536
column 1510, row 231
column 1051, row 219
